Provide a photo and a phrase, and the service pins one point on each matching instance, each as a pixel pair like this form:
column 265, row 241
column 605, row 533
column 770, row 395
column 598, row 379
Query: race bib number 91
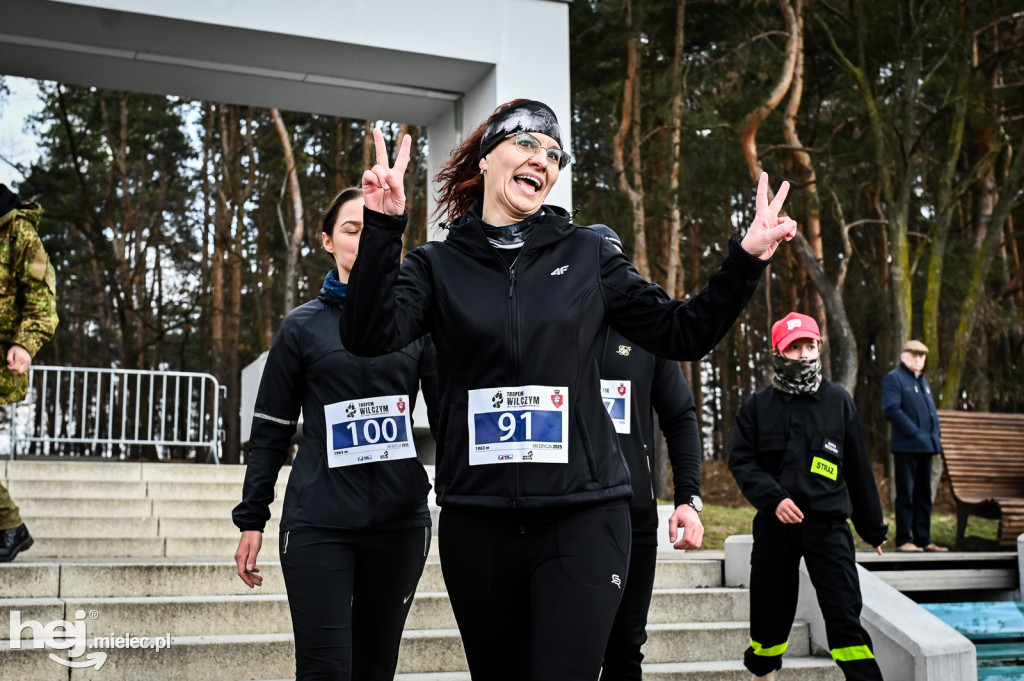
column 369, row 430
column 527, row 423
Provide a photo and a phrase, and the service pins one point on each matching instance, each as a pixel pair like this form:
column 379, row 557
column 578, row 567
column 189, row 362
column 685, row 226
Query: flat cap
column 916, row 347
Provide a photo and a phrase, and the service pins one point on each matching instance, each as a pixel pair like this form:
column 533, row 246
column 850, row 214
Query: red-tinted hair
column 461, row 182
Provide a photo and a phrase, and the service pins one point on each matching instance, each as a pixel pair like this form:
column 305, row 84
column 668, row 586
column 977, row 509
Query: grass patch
column 723, row 521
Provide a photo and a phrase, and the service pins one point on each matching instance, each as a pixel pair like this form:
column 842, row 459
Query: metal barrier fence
column 117, row 413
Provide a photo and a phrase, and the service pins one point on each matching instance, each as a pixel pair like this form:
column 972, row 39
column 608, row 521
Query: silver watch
column 697, row 503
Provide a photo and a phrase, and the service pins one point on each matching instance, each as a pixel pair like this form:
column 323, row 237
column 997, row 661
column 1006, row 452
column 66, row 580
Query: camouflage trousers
column 10, row 515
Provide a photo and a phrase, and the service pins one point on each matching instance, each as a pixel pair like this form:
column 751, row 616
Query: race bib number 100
column 525, row 424
column 369, row 430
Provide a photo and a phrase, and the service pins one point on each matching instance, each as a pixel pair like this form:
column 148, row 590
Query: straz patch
column 827, row 469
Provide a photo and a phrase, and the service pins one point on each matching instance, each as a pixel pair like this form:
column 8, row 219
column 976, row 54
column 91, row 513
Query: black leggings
column 535, row 593
column 349, row 594
column 622, row 656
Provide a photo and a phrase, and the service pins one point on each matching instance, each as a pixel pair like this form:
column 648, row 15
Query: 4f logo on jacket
column 558, row 271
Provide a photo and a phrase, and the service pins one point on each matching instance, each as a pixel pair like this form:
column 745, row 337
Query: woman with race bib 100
column 355, row 527
column 534, row 530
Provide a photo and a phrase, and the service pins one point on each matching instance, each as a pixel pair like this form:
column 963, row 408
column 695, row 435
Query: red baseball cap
column 793, row 326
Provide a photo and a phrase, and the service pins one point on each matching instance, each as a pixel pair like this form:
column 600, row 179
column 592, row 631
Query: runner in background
column 635, row 384
column 355, row 529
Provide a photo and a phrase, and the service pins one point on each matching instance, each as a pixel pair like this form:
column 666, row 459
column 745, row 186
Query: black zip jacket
column 306, row 369
column 535, row 323
column 659, row 384
column 809, row 448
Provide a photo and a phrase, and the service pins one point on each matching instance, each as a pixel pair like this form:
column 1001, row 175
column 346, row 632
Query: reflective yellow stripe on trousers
column 852, row 653
column 774, row 651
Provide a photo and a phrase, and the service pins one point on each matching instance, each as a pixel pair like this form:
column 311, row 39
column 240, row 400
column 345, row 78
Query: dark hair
column 460, row 180
column 330, row 216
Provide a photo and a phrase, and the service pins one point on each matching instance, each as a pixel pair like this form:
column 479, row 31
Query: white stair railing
column 116, row 413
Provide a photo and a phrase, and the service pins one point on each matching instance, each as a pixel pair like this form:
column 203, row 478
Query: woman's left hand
column 768, row 230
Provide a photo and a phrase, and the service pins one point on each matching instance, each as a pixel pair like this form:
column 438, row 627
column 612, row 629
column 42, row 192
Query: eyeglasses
column 530, row 145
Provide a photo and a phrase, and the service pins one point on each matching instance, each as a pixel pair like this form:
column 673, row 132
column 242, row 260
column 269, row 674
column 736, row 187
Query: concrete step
column 34, row 575
column 220, row 528
column 677, row 572
column 710, row 641
column 715, row 604
column 184, row 616
column 192, row 490
column 109, row 527
column 126, row 471
column 95, row 547
column 200, row 658
column 61, row 507
column 794, row 668
column 29, row 664
column 26, row 579
column 178, row 578
column 109, row 471
column 215, row 547
column 77, row 489
column 226, row 658
column 189, row 472
column 42, row 610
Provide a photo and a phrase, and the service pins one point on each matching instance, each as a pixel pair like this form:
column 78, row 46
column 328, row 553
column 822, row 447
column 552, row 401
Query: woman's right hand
column 384, row 185
column 245, row 557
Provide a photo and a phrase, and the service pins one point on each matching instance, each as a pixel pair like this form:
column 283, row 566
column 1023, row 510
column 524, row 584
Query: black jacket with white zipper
column 535, row 323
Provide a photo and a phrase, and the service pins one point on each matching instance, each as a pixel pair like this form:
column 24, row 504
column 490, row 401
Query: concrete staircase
column 145, row 550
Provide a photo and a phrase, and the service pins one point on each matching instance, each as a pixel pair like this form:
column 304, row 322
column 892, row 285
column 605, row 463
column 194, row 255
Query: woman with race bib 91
column 534, row 532
column 355, row 528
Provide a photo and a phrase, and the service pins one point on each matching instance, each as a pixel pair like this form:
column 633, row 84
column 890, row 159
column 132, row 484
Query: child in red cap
column 798, row 455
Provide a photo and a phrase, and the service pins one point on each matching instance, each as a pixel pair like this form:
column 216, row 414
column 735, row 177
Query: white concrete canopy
column 443, row 65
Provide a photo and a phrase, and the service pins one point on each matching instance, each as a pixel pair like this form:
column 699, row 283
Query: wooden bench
column 984, row 459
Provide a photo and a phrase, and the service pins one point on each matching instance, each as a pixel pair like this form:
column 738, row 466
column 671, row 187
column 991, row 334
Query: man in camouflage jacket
column 28, row 317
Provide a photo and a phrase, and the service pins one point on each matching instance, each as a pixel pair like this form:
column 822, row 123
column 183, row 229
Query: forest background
column 182, row 232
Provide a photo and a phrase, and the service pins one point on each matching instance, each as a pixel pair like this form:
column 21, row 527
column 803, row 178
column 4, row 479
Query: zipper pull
column 511, row 280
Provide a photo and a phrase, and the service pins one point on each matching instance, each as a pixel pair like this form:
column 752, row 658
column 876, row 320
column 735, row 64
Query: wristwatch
column 696, row 503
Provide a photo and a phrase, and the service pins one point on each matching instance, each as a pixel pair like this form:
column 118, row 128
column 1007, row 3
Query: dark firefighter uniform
column 810, row 448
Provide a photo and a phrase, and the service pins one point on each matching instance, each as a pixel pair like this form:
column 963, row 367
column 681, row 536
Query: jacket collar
column 28, row 211
column 916, row 377
column 467, row 234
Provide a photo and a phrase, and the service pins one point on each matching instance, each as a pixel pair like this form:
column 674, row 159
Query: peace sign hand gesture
column 768, row 230
column 384, row 185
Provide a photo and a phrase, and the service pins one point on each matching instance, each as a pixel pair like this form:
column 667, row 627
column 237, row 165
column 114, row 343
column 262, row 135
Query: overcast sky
column 17, row 146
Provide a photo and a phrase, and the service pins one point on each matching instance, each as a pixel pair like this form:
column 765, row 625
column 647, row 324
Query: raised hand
column 383, row 184
column 768, row 230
